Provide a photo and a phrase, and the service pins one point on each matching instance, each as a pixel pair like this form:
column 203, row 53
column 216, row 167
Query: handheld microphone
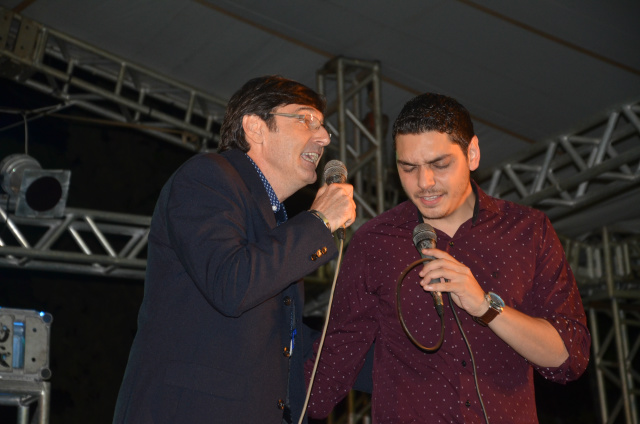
column 424, row 237
column 336, row 172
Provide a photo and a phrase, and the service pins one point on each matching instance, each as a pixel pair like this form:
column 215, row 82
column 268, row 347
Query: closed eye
column 407, row 168
column 441, row 165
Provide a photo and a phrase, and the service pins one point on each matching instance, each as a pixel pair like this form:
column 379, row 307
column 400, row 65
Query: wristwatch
column 496, row 305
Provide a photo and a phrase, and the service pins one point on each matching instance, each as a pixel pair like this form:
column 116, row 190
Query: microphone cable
column 324, row 333
column 440, row 311
column 438, row 345
column 334, row 172
column 473, row 360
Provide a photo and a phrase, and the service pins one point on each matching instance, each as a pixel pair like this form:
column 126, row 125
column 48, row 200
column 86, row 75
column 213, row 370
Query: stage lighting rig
column 31, row 191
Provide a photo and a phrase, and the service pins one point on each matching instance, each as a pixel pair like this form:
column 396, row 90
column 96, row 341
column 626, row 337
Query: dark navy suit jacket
column 222, row 294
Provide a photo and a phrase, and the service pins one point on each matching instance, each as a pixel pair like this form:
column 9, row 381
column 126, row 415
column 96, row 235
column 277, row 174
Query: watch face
column 496, row 301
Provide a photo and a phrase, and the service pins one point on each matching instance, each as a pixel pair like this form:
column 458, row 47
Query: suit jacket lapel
column 239, row 161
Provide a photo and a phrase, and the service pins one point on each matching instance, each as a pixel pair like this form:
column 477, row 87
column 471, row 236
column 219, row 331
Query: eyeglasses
column 309, row 120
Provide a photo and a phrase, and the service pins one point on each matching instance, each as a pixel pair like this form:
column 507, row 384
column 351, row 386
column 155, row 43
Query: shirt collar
column 484, row 202
column 276, row 205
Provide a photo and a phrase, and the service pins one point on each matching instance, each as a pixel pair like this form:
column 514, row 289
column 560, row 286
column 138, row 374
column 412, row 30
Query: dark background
column 122, row 170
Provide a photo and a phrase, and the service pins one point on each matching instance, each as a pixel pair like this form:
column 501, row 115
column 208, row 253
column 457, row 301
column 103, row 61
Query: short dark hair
column 435, row 112
column 260, row 96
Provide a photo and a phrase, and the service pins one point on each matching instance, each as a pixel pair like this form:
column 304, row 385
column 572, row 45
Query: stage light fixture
column 34, row 192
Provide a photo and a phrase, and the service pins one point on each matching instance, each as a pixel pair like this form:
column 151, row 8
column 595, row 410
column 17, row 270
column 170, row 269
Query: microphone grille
column 335, row 172
column 423, row 232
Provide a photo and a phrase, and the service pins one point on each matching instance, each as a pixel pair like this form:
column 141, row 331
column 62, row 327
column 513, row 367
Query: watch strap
column 488, row 316
column 494, row 310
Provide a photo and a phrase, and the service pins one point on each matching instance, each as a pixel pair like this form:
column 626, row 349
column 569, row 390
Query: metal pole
column 595, row 338
column 617, row 326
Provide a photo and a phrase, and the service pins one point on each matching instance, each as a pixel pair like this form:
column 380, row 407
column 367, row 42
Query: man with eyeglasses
column 220, row 331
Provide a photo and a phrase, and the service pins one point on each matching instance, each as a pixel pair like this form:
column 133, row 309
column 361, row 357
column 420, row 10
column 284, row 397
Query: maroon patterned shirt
column 511, row 250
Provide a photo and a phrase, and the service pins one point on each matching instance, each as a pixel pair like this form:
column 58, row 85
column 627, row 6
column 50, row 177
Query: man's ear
column 253, row 128
column 473, row 153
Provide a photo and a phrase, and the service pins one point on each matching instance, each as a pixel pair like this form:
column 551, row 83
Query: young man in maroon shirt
column 501, row 264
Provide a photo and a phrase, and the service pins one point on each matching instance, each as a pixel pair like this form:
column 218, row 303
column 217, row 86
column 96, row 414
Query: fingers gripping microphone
column 336, row 172
column 424, row 237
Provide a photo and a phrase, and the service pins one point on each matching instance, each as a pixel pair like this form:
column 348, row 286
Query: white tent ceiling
column 526, row 70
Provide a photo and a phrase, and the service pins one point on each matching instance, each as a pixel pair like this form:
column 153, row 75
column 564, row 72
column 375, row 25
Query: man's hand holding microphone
column 334, row 202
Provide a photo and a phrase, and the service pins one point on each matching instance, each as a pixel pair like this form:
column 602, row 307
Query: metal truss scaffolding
column 354, row 116
column 82, row 241
column 574, row 170
column 25, row 394
column 81, row 75
column 608, row 272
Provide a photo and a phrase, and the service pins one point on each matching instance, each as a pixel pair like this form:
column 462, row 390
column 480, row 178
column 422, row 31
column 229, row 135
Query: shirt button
column 287, row 301
column 451, row 243
column 280, row 404
column 464, row 363
column 467, row 404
